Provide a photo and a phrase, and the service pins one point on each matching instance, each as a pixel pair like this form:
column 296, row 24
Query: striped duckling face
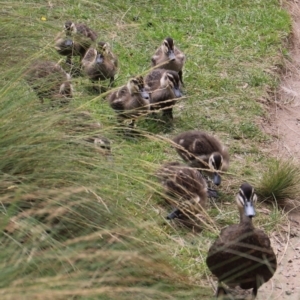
column 136, row 85
column 69, row 27
column 215, row 163
column 171, row 79
column 168, row 48
column 246, row 199
column 103, row 47
column 102, row 50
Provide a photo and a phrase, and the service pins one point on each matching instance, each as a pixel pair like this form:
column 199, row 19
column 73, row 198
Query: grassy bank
column 81, row 224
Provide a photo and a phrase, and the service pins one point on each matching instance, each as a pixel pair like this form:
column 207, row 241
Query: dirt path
column 285, row 125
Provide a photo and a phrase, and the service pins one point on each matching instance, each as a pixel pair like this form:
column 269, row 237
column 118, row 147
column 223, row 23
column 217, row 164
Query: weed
column 280, row 182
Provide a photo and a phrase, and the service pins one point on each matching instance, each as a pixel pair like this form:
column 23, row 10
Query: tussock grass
column 80, row 223
column 280, row 183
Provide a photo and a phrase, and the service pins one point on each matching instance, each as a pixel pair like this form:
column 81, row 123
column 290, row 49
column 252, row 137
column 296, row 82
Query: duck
column 100, row 63
column 242, row 254
column 202, row 150
column 130, row 100
column 75, row 40
column 169, row 57
column 49, row 80
column 185, row 188
column 164, row 89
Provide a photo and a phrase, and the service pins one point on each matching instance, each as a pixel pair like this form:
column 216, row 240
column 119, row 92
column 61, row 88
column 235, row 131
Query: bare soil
column 284, row 126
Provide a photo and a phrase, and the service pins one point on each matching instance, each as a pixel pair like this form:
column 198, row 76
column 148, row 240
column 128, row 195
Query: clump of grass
column 280, row 182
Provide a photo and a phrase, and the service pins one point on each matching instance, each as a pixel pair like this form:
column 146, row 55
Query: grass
column 82, row 225
column 279, row 183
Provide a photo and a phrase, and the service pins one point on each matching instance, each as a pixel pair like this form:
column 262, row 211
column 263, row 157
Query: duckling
column 163, row 86
column 169, row 57
column 100, row 63
column 78, row 38
column 49, row 80
column 186, row 186
column 242, row 255
column 131, row 100
column 202, row 150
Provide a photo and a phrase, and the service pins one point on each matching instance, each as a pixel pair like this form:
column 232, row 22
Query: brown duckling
column 49, row 80
column 202, row 150
column 186, row 186
column 100, row 63
column 169, row 57
column 163, row 86
column 242, row 255
column 131, row 100
column 78, row 38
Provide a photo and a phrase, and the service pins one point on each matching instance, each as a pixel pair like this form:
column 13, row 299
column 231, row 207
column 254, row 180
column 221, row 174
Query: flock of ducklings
column 241, row 255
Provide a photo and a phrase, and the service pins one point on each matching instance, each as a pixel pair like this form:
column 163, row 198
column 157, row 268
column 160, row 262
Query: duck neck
column 245, row 219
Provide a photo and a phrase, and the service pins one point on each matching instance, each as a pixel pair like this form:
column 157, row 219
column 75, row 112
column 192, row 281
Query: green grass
column 280, row 183
column 78, row 224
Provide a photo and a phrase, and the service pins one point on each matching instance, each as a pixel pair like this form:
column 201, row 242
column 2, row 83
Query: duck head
column 215, row 163
column 136, row 85
column 69, row 27
column 246, row 199
column 168, row 48
column 171, row 79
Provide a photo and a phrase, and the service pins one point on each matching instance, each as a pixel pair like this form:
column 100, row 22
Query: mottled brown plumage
column 169, row 57
column 49, row 80
column 131, row 100
column 202, row 150
column 164, row 89
column 100, row 63
column 75, row 40
column 242, row 255
column 186, row 188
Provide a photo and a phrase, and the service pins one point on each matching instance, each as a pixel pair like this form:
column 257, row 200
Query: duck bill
column 144, row 94
column 249, row 209
column 177, row 93
column 174, row 214
column 217, row 178
column 99, row 59
column 171, row 55
column 68, row 43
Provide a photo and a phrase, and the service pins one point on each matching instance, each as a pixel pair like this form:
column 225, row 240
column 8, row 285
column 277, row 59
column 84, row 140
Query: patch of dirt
column 285, row 127
column 285, row 116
